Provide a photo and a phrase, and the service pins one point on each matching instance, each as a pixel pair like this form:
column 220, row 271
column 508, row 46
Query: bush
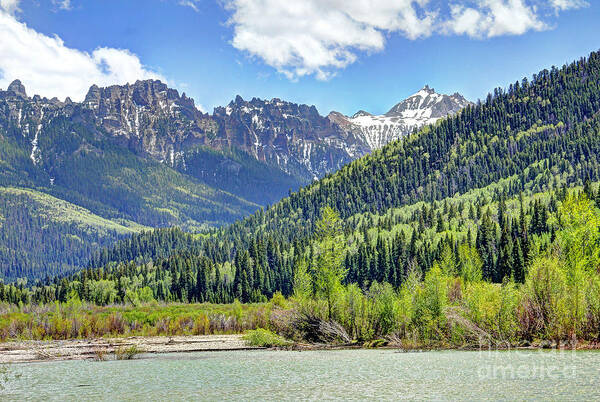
column 278, row 300
column 127, row 353
column 100, row 354
column 354, row 313
column 385, row 307
column 593, row 309
column 543, row 307
column 430, row 303
column 491, row 307
column 264, row 338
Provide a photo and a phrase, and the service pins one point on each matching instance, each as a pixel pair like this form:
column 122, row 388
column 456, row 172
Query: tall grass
column 66, row 321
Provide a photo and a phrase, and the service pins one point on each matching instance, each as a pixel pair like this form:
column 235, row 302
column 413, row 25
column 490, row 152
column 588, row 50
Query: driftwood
column 314, row 329
column 475, row 333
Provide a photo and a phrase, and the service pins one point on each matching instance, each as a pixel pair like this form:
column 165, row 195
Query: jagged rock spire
column 17, row 88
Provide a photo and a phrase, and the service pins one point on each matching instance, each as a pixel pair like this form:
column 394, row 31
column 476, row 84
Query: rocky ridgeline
column 153, row 120
column 294, row 137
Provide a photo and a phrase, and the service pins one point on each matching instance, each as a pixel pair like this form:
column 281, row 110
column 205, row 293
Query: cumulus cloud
column 494, row 18
column 319, row 37
column 10, row 6
column 312, row 36
column 47, row 67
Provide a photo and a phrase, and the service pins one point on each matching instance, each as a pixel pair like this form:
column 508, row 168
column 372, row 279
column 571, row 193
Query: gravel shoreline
column 82, row 349
column 104, row 348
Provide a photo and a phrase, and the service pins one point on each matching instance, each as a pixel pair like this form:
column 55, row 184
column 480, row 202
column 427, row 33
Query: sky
column 343, row 55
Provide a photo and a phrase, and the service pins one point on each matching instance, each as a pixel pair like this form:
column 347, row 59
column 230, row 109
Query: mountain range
column 138, row 156
column 293, row 141
column 78, row 177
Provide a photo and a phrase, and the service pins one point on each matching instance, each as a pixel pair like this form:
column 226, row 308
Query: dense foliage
column 538, row 132
column 238, row 173
column 40, row 235
column 481, row 229
column 75, row 319
column 451, row 305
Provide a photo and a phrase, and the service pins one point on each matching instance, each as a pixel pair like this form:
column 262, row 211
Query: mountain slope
column 43, row 234
column 58, row 149
column 294, row 137
column 306, row 145
column 144, row 153
column 256, row 149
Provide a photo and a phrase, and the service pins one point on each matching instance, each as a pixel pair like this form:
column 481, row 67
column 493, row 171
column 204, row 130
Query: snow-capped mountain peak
column 424, row 107
column 361, row 113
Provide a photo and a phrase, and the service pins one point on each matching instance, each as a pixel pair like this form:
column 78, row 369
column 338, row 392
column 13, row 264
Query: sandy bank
column 79, row 349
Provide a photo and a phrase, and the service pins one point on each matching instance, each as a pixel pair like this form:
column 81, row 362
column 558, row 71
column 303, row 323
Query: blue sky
column 330, row 53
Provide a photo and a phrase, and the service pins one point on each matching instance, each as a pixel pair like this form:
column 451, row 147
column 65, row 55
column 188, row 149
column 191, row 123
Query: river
column 316, row 375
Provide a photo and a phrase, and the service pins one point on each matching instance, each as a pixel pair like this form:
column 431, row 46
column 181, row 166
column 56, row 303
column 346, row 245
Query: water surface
column 346, row 374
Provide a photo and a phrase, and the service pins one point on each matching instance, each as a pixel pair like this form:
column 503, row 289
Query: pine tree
column 518, row 273
column 486, row 245
column 505, row 256
column 201, row 284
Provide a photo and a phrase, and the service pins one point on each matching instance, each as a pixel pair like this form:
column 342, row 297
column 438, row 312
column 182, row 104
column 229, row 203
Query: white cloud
column 562, row 5
column 10, row 6
column 319, row 37
column 313, row 36
column 189, row 3
column 63, row 4
column 494, row 18
column 49, row 68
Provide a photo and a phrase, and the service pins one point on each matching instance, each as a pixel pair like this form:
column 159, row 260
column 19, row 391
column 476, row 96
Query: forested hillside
column 452, row 186
column 532, row 137
column 43, row 234
column 535, row 133
column 144, row 153
column 481, row 229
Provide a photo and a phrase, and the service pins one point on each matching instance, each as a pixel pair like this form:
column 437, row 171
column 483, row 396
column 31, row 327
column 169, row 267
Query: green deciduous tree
column 327, row 269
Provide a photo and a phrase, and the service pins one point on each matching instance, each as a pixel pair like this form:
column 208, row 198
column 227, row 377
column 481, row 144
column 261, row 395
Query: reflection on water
column 346, row 374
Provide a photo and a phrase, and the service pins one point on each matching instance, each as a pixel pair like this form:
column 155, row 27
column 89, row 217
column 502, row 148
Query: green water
column 318, row 375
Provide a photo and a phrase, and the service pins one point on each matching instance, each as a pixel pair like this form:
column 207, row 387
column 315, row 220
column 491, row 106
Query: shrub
column 385, row 307
column 127, row 353
column 354, row 313
column 593, row 309
column 431, row 300
column 264, row 338
column 100, row 355
column 491, row 307
column 278, row 300
column 543, row 306
column 116, row 324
